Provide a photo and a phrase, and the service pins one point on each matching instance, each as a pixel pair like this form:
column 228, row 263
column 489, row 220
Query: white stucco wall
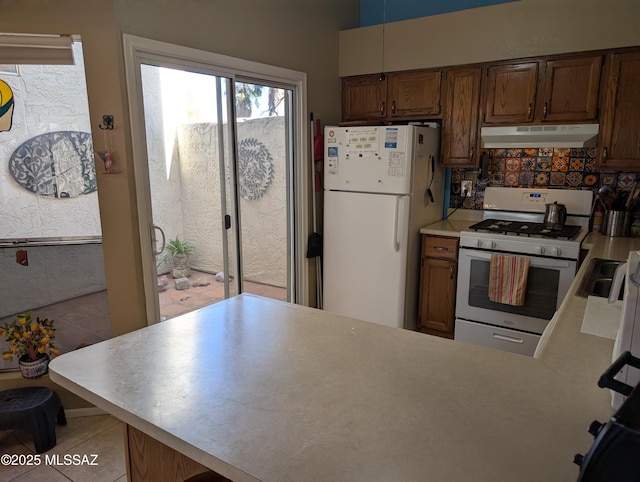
column 263, row 220
column 47, row 99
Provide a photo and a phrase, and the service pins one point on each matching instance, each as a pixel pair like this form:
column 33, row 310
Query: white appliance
column 628, row 337
column 377, row 185
column 513, row 225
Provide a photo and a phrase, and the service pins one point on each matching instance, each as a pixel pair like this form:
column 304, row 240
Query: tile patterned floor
column 102, row 435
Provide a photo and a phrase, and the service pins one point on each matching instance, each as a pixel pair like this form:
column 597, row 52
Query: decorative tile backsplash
column 566, row 168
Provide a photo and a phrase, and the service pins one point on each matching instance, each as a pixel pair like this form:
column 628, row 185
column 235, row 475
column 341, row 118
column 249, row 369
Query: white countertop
column 458, row 220
column 565, row 348
column 258, row 389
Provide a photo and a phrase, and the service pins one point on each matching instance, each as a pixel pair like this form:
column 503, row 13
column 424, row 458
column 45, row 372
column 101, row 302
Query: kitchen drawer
column 495, row 337
column 440, row 247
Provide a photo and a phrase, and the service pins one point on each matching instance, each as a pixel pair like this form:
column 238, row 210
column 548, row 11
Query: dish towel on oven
column 508, row 279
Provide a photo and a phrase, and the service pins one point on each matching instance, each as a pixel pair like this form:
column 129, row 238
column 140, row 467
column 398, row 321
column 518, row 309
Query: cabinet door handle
column 382, row 108
column 451, row 272
column 604, row 155
column 471, row 155
column 529, row 111
column 544, row 111
column 396, row 243
column 393, row 107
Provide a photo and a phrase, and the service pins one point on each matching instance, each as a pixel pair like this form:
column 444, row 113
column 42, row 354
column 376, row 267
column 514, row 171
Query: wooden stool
column 35, row 409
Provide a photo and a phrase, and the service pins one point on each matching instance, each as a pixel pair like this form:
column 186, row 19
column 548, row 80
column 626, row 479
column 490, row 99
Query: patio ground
column 175, row 302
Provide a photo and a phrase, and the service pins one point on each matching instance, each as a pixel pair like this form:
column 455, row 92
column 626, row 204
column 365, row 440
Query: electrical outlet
column 466, row 186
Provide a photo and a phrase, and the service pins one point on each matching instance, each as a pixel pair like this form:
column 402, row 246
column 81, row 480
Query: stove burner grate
column 522, row 228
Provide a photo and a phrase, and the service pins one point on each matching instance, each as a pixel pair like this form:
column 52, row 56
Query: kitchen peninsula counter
column 564, row 347
column 258, row 389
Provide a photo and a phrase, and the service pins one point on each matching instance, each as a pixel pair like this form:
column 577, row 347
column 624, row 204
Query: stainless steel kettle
column 555, row 216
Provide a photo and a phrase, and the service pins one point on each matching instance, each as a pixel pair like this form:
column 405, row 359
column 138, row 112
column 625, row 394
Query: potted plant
column 180, row 251
column 32, row 342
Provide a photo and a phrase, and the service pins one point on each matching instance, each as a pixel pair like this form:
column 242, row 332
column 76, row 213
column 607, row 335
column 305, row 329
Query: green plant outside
column 178, row 246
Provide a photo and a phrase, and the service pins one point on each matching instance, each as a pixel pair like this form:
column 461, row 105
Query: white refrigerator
column 377, row 181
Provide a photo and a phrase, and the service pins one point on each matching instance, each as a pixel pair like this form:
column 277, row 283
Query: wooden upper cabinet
column 619, row 141
column 569, row 90
column 553, row 90
column 460, row 117
column 364, row 97
column 511, row 93
column 411, row 94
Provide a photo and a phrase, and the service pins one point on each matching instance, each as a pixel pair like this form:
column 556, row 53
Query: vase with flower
column 32, row 342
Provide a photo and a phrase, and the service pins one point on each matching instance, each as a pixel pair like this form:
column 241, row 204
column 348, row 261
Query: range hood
column 574, row 135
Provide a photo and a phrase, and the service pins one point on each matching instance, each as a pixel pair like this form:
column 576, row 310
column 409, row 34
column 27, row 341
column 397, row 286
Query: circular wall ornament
column 55, row 164
column 255, row 167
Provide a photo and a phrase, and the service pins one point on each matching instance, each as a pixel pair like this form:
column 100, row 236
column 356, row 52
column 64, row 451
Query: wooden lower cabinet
column 438, row 275
column 148, row 459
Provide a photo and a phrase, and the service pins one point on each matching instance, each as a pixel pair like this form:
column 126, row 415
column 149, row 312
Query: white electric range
column 513, row 225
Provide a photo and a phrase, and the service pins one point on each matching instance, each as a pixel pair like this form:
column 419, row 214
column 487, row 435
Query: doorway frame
column 138, row 50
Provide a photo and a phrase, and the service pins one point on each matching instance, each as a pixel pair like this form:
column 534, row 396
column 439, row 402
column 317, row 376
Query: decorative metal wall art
column 55, row 164
column 6, row 106
column 255, row 166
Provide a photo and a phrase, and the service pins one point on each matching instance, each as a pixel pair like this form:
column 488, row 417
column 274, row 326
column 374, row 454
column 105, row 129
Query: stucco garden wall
column 187, row 201
column 47, row 99
column 262, row 197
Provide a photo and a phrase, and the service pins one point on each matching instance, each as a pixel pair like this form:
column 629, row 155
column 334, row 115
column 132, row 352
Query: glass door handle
column 153, row 239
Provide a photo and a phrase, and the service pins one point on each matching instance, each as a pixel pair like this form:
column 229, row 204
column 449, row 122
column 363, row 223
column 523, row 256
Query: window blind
column 36, row 49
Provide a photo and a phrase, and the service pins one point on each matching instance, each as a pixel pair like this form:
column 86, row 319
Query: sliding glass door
column 215, row 168
column 190, row 171
column 264, row 168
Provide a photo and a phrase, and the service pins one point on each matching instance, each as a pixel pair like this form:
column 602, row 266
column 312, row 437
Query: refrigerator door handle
column 396, row 243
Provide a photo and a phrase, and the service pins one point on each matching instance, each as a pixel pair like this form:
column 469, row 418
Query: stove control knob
column 556, row 251
column 540, row 249
column 492, row 244
column 478, row 243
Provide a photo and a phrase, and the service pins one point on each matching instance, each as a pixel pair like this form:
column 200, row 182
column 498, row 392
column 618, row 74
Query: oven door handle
column 536, row 262
column 510, row 339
